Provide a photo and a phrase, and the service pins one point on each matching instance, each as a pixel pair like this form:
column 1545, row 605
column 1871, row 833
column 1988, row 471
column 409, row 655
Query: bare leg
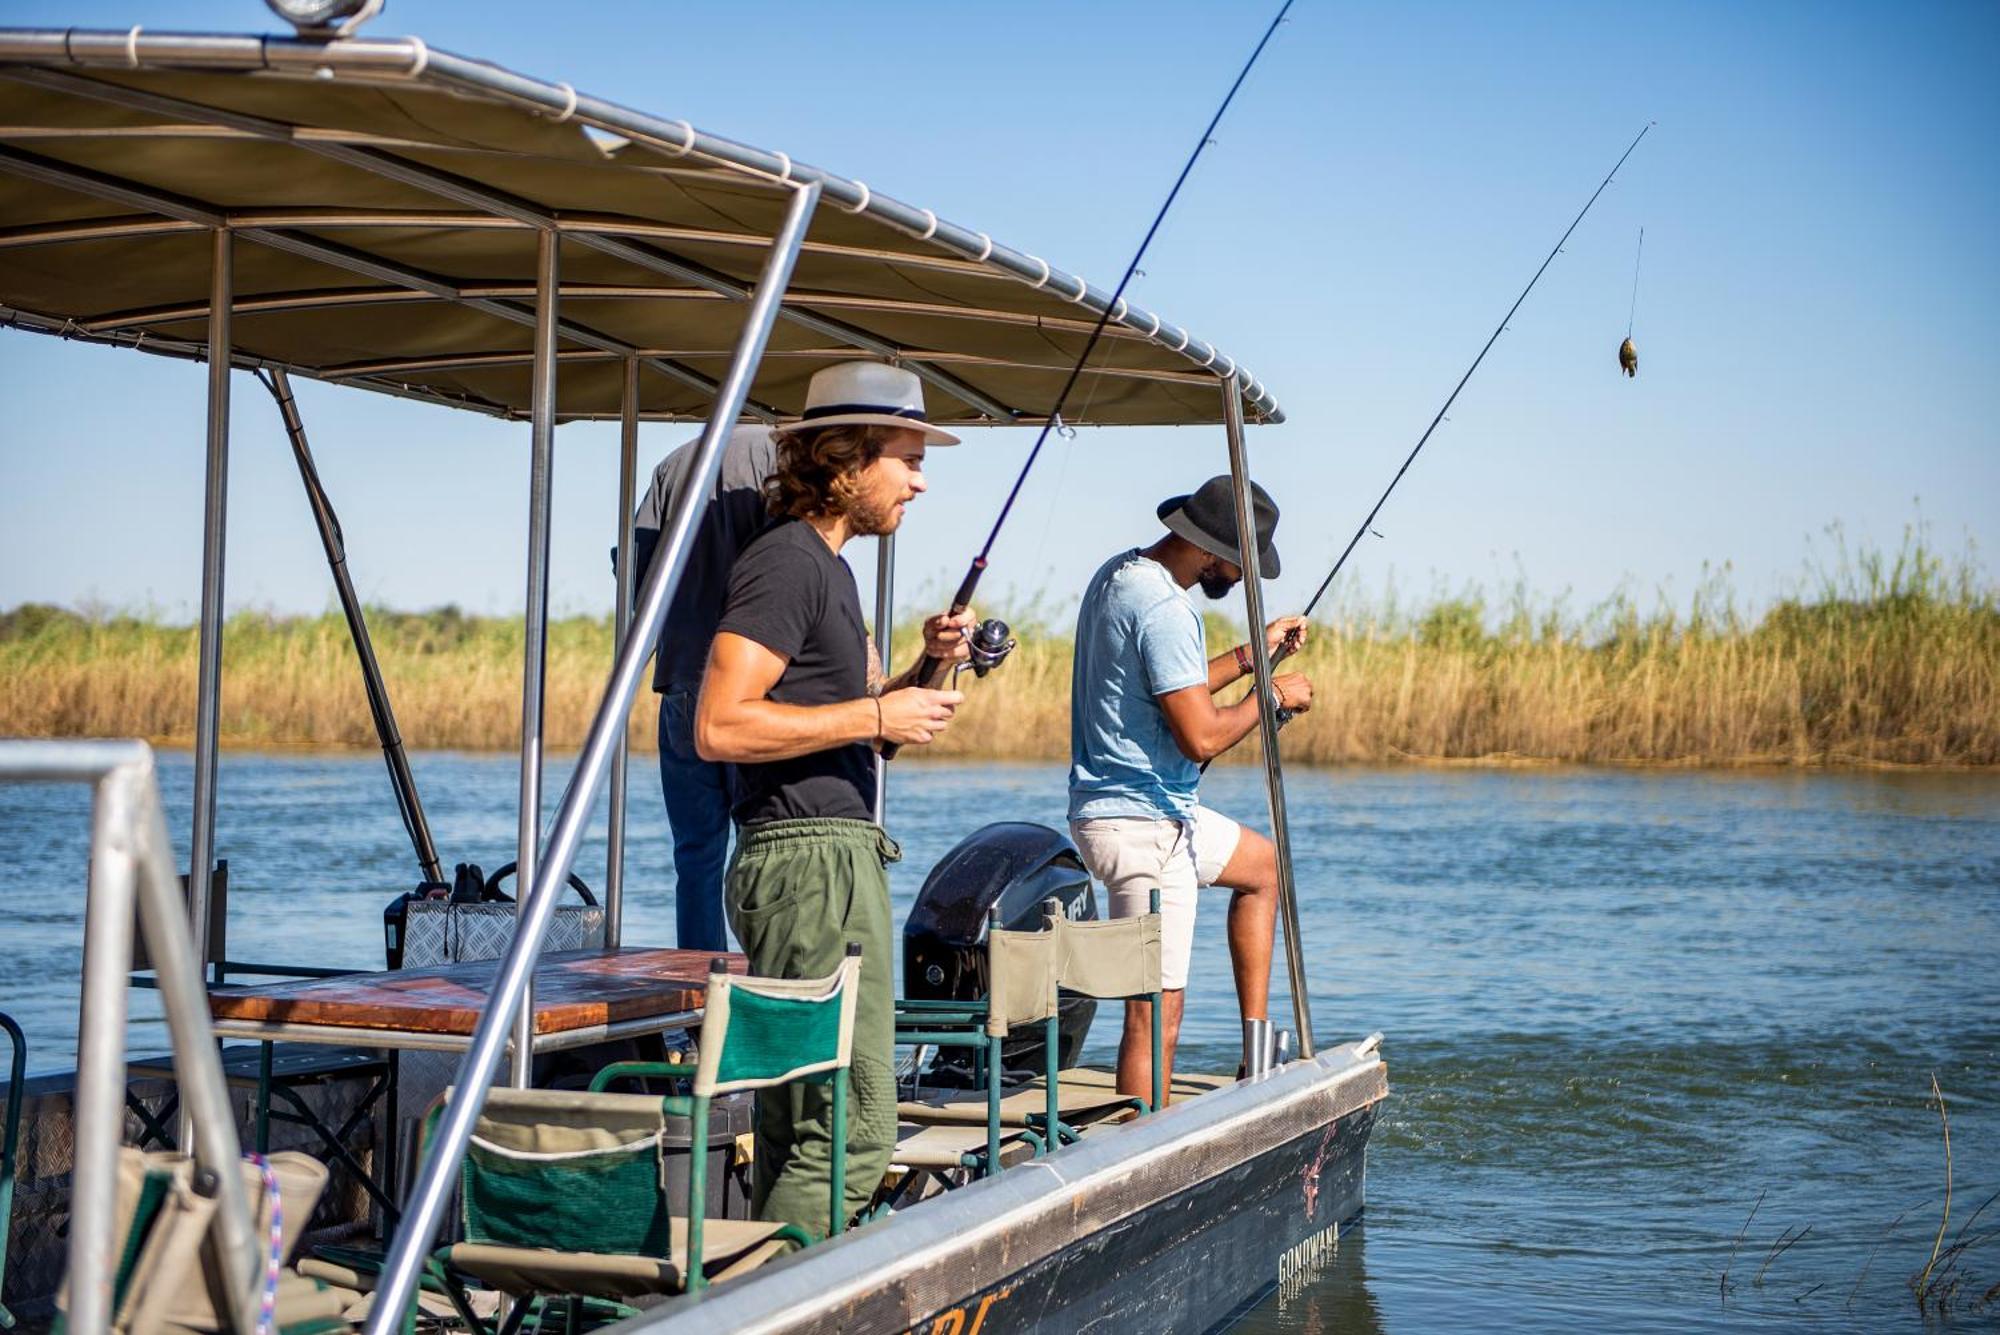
column 1252, row 873
column 1135, row 1045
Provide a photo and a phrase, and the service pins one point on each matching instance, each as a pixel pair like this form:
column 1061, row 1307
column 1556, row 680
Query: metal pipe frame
column 84, row 181
column 132, row 859
column 621, row 622
column 1267, row 714
column 214, row 533
column 885, row 631
column 535, row 641
column 43, row 55
column 432, row 1191
column 401, row 780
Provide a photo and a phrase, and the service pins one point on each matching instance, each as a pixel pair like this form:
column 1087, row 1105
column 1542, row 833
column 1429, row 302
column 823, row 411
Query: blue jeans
column 697, row 796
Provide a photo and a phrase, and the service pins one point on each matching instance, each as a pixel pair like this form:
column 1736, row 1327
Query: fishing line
column 1498, row 330
column 930, row 668
column 1635, row 283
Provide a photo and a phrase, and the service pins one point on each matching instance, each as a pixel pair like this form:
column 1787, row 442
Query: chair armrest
column 617, row 1071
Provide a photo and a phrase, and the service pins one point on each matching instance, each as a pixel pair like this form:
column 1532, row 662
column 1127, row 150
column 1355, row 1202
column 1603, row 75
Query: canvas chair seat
column 1074, row 1104
column 1098, row 1079
column 729, row 1247
column 942, row 1148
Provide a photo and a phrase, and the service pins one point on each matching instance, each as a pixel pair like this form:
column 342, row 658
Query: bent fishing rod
column 1290, row 644
column 930, row 669
column 1498, row 330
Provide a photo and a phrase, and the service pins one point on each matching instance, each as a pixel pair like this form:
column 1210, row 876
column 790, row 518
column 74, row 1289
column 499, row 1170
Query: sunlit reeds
column 1882, row 659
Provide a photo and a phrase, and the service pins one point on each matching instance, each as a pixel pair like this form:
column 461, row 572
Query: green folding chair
column 1021, row 989
column 564, row 1192
column 1111, row 960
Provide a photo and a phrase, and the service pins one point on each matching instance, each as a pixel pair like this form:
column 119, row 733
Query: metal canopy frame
column 53, row 60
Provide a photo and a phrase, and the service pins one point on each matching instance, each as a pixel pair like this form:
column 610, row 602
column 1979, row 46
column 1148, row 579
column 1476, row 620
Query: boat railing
column 132, row 866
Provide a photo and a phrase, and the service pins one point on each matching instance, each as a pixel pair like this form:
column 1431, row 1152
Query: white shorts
column 1133, row 855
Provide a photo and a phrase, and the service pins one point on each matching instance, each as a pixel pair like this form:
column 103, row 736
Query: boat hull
column 1174, row 1223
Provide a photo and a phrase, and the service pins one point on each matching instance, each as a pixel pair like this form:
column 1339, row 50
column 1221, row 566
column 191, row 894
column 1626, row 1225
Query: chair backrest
column 568, row 1170
column 1110, row 959
column 1021, row 977
column 761, row 1032
column 757, row 1033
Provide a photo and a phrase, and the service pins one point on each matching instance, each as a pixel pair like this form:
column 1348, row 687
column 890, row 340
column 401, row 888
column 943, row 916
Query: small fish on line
column 1628, row 358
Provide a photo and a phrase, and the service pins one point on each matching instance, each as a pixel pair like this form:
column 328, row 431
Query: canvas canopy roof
column 387, row 199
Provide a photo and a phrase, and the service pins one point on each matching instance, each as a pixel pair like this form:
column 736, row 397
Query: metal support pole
column 131, row 858
column 401, row 780
column 885, row 631
column 535, row 651
column 214, row 529
column 197, row 1064
column 100, row 1062
column 1274, row 778
column 432, row 1189
column 621, row 620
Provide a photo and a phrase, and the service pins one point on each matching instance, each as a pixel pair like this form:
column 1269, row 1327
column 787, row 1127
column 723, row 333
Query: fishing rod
column 1498, row 330
column 930, row 669
column 1290, row 644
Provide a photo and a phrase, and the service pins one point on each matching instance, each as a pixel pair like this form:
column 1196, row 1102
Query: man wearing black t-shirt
column 787, row 699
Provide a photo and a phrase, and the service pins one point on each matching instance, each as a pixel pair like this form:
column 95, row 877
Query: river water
column 1642, row 1026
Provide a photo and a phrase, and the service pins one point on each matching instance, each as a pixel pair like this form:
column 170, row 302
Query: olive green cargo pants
column 798, row 892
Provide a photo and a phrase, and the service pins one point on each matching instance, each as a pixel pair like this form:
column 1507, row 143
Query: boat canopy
column 391, row 197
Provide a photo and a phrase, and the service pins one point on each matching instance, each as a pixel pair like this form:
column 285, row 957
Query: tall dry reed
column 1882, row 659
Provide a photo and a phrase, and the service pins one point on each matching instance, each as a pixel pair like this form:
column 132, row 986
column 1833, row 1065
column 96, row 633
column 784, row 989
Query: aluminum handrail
column 131, row 858
column 425, row 1209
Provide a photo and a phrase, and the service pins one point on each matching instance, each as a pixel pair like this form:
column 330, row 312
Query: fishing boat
column 380, row 214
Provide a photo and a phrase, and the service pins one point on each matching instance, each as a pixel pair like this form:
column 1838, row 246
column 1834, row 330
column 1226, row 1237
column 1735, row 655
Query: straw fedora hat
column 867, row 394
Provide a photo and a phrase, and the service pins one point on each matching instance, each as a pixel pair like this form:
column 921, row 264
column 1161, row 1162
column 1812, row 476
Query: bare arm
column 1285, row 635
column 1203, row 731
column 737, row 721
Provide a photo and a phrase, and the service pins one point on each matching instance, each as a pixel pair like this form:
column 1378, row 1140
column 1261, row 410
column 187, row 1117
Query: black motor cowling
column 1014, row 865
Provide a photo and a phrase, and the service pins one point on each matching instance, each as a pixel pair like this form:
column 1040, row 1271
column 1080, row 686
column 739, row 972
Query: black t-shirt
column 791, row 594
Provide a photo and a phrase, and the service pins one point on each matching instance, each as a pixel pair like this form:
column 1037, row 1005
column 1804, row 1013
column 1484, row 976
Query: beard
column 868, row 517
column 1213, row 582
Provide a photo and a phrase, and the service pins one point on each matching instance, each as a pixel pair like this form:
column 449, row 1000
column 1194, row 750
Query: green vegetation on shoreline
column 1886, row 659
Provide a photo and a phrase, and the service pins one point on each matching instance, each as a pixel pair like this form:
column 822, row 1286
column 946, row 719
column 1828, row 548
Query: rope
column 1635, row 283
column 267, row 1306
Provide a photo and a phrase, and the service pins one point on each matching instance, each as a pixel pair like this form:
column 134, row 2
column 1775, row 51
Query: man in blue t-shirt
column 1143, row 719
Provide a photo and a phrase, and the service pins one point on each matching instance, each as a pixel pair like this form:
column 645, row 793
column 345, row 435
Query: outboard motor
column 1014, row 866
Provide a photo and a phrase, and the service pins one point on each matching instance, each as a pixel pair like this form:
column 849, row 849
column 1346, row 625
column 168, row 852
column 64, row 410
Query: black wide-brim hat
column 1206, row 517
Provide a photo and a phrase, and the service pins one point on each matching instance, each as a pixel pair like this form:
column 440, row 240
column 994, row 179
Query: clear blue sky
column 1815, row 321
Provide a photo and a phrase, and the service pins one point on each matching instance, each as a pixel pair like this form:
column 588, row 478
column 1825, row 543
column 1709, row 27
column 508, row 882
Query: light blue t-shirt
column 1137, row 637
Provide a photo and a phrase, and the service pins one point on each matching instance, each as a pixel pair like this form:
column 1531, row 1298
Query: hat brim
column 1174, row 515
column 933, row 435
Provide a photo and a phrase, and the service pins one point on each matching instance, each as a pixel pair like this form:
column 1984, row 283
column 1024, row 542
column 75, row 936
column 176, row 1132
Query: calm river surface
column 1622, row 1007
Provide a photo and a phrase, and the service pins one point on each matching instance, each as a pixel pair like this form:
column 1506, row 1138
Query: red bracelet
column 1244, row 663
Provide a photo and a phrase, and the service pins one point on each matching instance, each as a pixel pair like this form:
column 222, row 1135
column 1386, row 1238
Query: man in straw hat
column 1143, row 720
column 787, row 699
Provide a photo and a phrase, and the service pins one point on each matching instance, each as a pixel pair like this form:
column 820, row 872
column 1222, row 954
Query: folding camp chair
column 168, row 1277
column 564, row 1192
column 1020, row 971
column 1110, row 960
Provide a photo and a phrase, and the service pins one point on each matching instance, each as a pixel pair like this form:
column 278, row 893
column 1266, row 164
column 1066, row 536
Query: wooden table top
column 573, row 990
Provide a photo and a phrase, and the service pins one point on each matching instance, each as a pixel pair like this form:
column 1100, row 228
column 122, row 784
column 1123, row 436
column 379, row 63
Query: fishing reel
column 989, row 644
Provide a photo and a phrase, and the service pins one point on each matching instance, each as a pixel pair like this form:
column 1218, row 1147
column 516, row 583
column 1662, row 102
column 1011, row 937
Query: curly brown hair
column 820, row 470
